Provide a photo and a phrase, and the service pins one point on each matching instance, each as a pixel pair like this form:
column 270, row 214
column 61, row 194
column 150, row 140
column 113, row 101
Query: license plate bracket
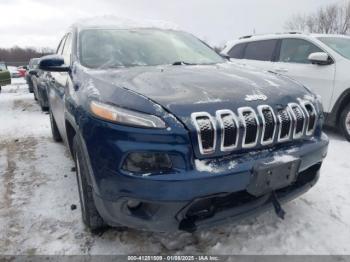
column 271, row 176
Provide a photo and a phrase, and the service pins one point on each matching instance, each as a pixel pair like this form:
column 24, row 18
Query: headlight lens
column 124, row 116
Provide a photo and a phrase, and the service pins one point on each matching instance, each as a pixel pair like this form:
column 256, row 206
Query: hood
column 184, row 89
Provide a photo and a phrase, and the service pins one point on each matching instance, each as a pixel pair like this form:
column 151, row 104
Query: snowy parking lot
column 38, row 195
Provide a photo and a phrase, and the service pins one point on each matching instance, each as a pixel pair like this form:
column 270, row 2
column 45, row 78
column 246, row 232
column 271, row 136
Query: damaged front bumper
column 189, row 203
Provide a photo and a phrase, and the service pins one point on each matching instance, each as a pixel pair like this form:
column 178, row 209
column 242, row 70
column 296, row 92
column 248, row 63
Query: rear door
column 61, row 82
column 56, row 91
column 293, row 61
column 258, row 54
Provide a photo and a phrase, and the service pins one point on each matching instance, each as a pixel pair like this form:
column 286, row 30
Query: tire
column 345, row 122
column 54, row 129
column 35, row 97
column 91, row 218
column 43, row 108
column 30, row 88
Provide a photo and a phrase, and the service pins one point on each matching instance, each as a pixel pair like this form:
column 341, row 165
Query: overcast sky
column 41, row 23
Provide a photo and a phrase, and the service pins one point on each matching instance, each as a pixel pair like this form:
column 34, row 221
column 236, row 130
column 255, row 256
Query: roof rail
column 245, row 36
column 277, row 33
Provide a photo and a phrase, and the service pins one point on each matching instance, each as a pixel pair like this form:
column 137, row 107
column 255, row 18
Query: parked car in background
column 14, row 72
column 36, row 80
column 321, row 62
column 5, row 76
column 22, row 71
column 32, row 70
column 167, row 135
column 40, row 89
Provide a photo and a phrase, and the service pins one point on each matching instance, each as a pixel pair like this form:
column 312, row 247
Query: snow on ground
column 37, row 189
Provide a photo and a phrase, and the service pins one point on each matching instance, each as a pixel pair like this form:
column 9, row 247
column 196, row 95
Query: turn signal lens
column 125, row 116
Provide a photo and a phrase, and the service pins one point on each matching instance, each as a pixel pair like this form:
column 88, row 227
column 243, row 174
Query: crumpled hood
column 183, row 90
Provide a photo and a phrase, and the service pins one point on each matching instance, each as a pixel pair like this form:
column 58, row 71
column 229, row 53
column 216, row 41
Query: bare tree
column 17, row 55
column 334, row 18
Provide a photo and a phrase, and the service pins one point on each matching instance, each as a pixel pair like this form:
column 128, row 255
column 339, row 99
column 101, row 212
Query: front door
column 293, row 62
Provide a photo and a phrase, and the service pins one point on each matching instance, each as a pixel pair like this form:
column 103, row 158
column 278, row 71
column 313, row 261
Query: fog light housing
column 141, row 163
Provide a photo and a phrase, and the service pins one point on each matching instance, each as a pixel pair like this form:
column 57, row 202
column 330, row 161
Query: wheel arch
column 70, row 134
column 72, row 130
column 342, row 101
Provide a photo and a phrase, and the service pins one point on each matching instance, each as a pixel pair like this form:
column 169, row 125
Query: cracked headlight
column 124, row 116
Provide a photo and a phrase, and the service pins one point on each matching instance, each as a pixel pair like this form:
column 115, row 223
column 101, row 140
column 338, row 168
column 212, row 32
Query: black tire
column 43, row 107
column 54, row 129
column 30, row 88
column 90, row 215
column 35, row 97
column 345, row 122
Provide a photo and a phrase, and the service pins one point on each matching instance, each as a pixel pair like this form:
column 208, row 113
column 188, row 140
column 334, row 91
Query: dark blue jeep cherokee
column 168, row 135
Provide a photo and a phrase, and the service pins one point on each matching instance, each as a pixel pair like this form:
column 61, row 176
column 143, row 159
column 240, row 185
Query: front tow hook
column 277, row 206
column 188, row 225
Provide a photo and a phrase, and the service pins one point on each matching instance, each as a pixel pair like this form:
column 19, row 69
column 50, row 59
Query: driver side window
column 67, row 50
column 60, row 46
column 296, row 51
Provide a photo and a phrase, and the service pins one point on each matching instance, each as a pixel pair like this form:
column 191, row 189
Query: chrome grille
column 268, row 124
column 206, row 132
column 311, row 116
column 247, row 129
column 285, row 124
column 299, row 120
column 249, row 122
column 229, row 129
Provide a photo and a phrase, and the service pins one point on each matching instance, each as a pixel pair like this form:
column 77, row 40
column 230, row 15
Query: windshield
column 142, row 47
column 339, row 44
column 2, row 66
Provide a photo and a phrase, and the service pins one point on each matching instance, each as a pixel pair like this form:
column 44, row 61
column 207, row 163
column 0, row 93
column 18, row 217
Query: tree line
column 21, row 56
column 331, row 19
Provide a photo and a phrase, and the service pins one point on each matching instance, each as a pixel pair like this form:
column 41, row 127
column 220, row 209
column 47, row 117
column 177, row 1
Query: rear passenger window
column 297, row 51
column 260, row 50
column 237, row 51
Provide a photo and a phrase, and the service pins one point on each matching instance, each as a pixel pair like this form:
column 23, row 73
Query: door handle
column 282, row 70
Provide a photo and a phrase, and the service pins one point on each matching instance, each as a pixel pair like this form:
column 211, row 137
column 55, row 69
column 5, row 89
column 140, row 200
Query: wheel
column 90, row 215
column 345, row 122
column 30, row 88
column 54, row 129
column 35, row 96
column 43, row 108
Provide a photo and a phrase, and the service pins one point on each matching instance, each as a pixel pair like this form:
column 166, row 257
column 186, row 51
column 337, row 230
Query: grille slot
column 299, row 120
column 269, row 124
column 285, row 124
column 206, row 132
column 250, row 124
column 229, row 129
column 311, row 115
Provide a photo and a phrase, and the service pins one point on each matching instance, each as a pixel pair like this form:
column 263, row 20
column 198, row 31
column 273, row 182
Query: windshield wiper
column 182, row 63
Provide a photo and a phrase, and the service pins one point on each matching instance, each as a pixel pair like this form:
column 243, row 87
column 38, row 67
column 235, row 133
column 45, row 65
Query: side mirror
column 53, row 63
column 320, row 58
